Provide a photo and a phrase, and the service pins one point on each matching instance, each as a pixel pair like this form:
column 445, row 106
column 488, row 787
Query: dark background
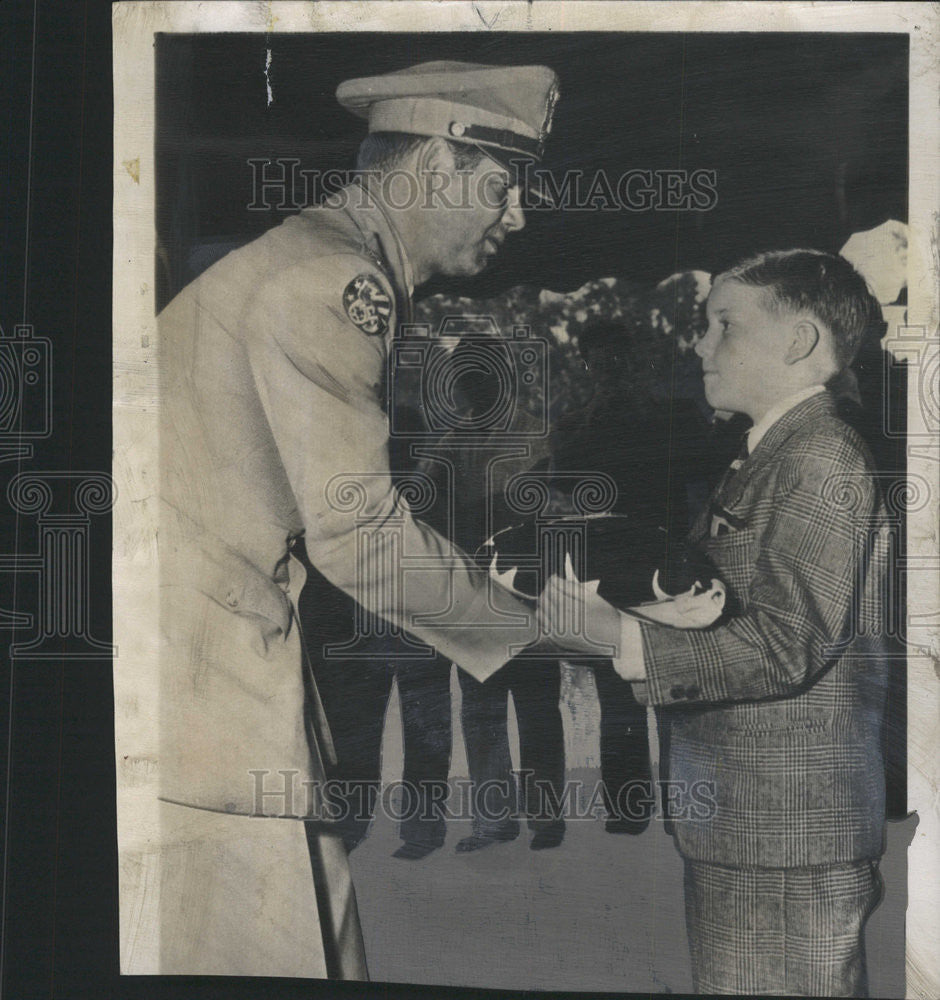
column 807, row 133
column 809, row 138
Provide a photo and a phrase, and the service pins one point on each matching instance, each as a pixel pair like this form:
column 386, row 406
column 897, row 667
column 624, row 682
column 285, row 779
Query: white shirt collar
column 780, row 408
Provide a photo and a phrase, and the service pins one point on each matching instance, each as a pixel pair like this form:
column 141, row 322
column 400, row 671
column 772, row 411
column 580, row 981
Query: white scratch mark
column 267, row 78
column 488, row 24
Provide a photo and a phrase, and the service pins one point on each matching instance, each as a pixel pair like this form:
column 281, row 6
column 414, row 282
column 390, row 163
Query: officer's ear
column 436, row 157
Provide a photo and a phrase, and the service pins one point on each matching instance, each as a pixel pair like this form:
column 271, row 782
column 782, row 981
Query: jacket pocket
column 235, row 584
column 734, row 555
column 789, row 727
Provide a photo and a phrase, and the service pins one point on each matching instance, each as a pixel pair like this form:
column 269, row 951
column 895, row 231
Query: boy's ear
column 804, row 337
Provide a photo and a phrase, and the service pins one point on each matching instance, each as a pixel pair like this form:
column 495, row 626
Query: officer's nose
column 514, row 216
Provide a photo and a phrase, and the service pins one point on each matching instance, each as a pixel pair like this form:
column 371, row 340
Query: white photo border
column 135, row 339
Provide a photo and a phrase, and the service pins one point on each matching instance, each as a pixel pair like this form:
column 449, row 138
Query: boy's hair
column 819, row 283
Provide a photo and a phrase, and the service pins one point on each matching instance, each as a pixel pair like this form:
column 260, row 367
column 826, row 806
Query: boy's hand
column 698, row 607
column 575, row 619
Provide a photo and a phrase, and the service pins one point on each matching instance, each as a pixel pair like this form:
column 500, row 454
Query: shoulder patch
column 367, row 304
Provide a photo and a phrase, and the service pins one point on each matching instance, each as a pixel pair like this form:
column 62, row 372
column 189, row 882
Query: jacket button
column 692, row 691
column 677, row 692
column 231, row 599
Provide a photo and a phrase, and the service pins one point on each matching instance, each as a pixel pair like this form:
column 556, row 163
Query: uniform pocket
column 243, row 591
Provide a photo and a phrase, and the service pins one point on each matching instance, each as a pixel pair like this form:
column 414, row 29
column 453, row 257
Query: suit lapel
column 729, row 493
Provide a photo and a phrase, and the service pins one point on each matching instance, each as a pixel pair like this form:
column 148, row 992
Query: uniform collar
column 373, row 221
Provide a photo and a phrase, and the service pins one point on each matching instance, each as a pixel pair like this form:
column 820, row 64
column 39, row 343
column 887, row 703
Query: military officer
column 273, row 429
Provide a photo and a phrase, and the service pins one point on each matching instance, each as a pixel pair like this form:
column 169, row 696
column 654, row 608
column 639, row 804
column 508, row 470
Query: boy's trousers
column 793, row 931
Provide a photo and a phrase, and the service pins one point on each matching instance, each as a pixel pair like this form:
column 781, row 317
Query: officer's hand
column 576, row 619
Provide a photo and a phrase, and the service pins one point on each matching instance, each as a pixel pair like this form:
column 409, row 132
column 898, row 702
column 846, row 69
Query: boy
column 778, row 706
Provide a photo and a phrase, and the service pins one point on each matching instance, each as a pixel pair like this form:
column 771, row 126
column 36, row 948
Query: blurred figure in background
column 355, row 668
column 652, row 446
column 479, row 470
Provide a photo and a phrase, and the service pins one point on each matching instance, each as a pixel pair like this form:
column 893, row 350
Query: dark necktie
column 742, row 455
column 733, row 468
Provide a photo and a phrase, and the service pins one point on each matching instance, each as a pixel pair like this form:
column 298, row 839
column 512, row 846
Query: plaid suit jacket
column 774, row 714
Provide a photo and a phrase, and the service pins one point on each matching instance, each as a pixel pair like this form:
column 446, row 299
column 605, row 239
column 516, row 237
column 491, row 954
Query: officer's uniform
column 272, row 428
